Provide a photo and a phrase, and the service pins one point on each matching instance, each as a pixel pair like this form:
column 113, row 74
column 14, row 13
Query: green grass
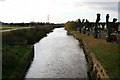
column 14, row 58
column 107, row 53
column 10, row 27
column 15, row 49
column 108, row 56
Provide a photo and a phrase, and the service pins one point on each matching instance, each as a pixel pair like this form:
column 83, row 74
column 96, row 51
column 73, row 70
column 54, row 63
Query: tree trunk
column 96, row 35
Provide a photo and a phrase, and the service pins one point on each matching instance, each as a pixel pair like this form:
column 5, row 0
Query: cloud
column 59, row 10
column 2, row 0
column 109, row 6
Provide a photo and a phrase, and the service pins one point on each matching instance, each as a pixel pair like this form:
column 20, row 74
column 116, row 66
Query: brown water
column 58, row 56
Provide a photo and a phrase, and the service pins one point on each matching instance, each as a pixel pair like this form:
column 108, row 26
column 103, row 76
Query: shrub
column 26, row 36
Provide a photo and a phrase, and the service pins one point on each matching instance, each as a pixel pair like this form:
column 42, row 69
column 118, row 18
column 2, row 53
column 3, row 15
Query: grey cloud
column 2, row 0
column 112, row 6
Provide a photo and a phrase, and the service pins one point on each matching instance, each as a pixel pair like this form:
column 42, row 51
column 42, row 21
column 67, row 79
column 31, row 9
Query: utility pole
column 48, row 18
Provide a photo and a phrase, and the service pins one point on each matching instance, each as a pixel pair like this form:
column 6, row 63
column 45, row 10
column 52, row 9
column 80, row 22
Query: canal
column 58, row 56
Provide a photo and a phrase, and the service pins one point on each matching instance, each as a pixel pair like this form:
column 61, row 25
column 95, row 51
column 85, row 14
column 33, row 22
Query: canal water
column 58, row 56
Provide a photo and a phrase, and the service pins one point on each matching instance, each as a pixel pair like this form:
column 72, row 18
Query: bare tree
column 96, row 25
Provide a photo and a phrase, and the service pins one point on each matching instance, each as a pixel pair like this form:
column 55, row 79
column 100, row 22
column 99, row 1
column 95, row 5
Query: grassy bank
column 16, row 50
column 14, row 58
column 107, row 53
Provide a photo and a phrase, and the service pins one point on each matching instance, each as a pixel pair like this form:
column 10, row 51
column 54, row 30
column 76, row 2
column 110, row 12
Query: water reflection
column 58, row 56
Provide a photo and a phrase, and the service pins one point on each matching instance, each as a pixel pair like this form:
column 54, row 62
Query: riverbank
column 16, row 60
column 18, row 51
column 102, row 56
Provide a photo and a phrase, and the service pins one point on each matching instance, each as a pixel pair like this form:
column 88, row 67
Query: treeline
column 97, row 26
column 73, row 25
column 28, row 24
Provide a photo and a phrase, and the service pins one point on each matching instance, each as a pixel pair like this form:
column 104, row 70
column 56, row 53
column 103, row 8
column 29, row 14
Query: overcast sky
column 59, row 11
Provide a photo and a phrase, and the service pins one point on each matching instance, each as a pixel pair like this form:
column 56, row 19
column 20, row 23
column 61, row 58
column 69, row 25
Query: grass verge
column 107, row 53
column 10, row 27
column 13, row 59
column 17, row 54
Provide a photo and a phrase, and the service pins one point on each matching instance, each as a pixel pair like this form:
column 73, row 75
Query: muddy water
column 58, row 56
